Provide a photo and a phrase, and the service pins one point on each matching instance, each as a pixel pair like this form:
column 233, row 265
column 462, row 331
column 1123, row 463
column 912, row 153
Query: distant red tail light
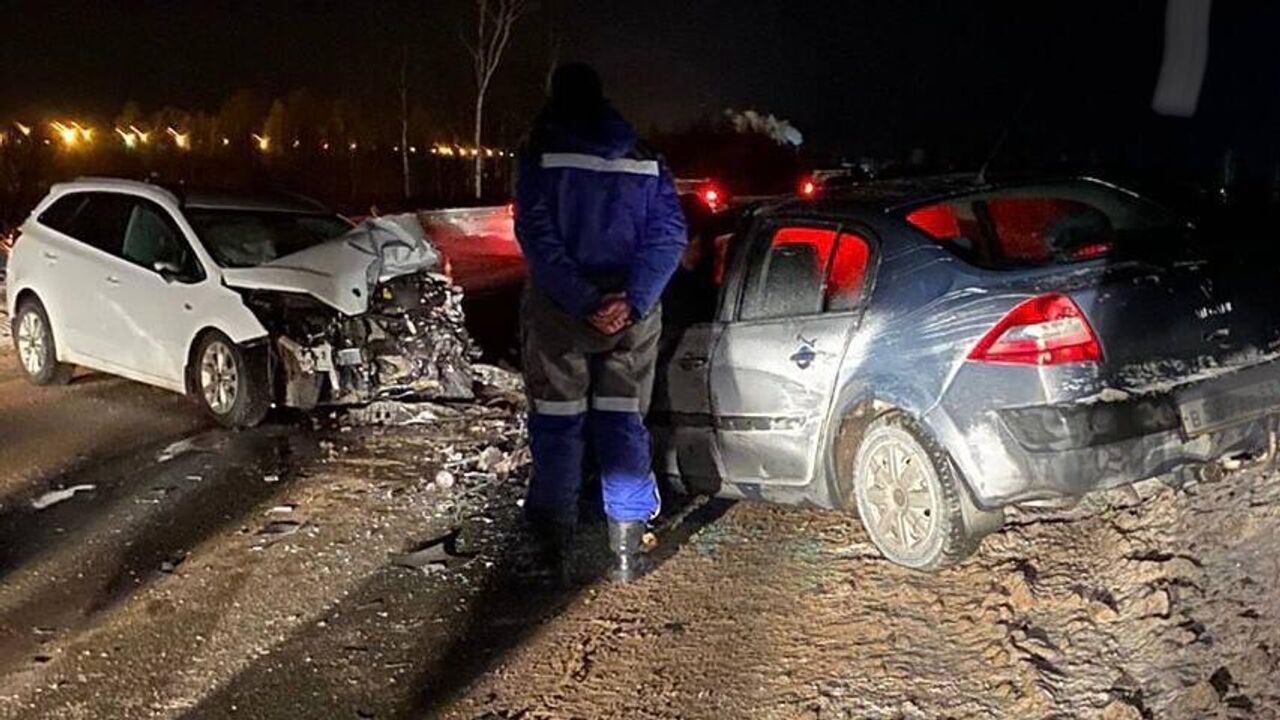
column 713, row 196
column 808, row 188
column 1045, row 330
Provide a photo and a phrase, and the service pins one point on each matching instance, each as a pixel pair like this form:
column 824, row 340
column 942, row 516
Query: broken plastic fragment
column 489, row 459
column 281, row 528
column 434, row 555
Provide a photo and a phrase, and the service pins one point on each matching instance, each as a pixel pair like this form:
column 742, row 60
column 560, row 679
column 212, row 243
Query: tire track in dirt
column 1138, row 603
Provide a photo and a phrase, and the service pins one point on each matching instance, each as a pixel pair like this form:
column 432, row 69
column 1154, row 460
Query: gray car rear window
column 1042, row 225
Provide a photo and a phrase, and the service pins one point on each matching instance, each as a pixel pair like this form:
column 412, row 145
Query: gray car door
column 775, row 365
column 680, row 419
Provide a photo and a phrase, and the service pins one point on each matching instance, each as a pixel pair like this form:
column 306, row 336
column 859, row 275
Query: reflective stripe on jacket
column 597, row 213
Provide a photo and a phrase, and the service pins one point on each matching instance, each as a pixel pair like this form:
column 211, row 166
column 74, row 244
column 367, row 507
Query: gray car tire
column 229, row 382
column 36, row 347
column 910, row 498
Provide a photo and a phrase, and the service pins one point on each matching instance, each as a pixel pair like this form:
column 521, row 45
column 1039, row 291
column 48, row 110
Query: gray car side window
column 787, row 275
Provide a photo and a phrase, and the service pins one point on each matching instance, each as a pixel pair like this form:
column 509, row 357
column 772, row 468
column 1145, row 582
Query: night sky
column 857, row 76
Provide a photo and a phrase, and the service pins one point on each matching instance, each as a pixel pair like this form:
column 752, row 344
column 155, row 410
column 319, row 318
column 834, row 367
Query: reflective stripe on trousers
column 581, row 382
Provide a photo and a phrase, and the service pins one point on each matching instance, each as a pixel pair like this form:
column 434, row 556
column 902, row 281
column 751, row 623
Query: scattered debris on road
column 435, row 555
column 53, row 497
column 280, row 528
column 5, row 329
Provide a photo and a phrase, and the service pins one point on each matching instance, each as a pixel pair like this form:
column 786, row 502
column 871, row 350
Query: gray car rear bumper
column 1001, row 471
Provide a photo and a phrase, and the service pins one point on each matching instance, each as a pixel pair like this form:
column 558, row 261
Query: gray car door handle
column 113, row 280
column 804, row 357
column 49, row 255
column 693, row 362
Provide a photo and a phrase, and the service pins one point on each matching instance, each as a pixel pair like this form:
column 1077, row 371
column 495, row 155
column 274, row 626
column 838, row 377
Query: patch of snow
column 1162, row 376
column 1105, row 395
column 53, row 497
column 175, row 449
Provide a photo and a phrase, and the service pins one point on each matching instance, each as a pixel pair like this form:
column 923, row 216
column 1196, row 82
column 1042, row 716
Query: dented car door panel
column 771, row 385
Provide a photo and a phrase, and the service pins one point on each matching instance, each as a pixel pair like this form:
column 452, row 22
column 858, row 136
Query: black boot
column 554, row 540
column 626, row 542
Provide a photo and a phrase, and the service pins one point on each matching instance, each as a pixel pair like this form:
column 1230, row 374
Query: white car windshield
column 248, row 238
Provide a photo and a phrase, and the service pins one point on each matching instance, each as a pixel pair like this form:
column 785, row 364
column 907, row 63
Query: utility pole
column 404, row 120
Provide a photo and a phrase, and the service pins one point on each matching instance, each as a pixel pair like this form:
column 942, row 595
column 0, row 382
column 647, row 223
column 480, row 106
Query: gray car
column 932, row 351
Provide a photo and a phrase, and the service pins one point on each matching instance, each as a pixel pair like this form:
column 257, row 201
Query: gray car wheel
column 909, row 497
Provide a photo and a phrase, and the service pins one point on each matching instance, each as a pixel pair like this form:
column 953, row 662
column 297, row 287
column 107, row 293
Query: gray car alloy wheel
column 219, row 377
column 33, row 343
column 898, row 496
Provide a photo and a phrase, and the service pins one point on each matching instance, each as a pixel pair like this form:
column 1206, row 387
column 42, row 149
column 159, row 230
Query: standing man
column 599, row 221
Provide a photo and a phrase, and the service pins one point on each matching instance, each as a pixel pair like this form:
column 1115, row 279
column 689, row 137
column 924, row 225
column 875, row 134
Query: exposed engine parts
column 411, row 343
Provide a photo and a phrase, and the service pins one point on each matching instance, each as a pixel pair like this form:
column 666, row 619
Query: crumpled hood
column 344, row 272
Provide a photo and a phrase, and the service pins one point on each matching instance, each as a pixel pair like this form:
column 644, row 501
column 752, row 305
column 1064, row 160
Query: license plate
column 1227, row 406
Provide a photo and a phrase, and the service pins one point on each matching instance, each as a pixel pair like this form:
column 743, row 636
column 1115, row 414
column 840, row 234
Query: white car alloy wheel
column 219, row 377
column 898, row 496
column 33, row 343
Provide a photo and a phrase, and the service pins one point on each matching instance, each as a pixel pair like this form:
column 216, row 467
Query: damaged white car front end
column 365, row 316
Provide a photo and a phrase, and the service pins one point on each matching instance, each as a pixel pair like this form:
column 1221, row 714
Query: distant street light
column 71, row 135
column 182, row 141
column 129, row 137
column 262, row 141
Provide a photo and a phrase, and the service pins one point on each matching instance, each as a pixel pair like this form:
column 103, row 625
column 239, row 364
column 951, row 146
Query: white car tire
column 229, row 383
column 36, row 347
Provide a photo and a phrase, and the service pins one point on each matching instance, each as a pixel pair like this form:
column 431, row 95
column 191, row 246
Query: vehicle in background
column 709, row 193
column 932, row 351
column 823, row 180
column 240, row 302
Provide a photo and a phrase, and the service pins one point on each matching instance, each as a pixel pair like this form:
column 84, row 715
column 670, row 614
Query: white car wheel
column 219, row 377
column 37, row 350
column 33, row 345
column 230, row 381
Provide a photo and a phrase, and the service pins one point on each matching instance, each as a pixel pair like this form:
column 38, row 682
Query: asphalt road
column 46, row 433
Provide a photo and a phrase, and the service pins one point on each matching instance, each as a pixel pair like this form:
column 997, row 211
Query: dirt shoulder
column 1120, row 609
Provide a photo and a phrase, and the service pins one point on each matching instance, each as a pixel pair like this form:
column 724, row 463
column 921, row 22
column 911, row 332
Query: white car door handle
column 50, row 255
column 113, row 280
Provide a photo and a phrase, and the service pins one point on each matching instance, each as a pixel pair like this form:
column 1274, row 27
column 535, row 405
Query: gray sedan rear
column 930, row 352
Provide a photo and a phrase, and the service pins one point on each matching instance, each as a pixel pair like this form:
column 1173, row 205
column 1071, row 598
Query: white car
column 241, row 302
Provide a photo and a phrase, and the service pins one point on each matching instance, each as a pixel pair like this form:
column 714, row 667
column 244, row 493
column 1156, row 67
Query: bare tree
column 495, row 19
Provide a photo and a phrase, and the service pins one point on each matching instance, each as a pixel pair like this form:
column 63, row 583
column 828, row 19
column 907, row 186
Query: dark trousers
column 580, row 381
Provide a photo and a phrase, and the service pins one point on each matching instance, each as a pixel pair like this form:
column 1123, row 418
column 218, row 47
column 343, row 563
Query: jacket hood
column 603, row 132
